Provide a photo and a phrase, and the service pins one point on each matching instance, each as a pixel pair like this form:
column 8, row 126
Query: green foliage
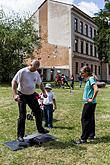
column 102, row 39
column 18, row 37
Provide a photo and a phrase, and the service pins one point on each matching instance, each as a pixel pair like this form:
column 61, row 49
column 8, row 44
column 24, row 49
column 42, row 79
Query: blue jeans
column 80, row 82
column 48, row 114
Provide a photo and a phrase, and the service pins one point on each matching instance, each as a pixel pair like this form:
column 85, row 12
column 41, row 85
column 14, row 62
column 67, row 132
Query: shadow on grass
column 55, row 120
column 62, row 127
column 103, row 139
column 64, row 145
column 70, row 144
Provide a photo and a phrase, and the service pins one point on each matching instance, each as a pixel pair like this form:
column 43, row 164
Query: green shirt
column 88, row 90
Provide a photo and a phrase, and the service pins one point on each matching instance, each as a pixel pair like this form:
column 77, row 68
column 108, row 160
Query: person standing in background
column 71, row 83
column 80, row 78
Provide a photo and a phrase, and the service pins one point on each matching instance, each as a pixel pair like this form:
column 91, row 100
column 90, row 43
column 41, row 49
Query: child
column 49, row 105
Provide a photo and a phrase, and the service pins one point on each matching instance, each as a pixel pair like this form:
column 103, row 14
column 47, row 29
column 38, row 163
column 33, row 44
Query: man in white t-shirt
column 23, row 89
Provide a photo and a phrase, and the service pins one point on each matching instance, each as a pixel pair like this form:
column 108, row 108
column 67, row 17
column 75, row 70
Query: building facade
column 66, row 41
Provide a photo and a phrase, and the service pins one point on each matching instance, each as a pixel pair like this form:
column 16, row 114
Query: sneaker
column 91, row 139
column 20, row 139
column 43, row 131
column 80, row 141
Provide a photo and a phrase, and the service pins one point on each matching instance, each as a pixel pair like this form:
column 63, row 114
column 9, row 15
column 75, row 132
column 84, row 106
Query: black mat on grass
column 30, row 140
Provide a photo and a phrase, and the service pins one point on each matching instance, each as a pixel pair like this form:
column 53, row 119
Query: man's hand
column 16, row 98
column 45, row 95
column 43, row 90
column 55, row 107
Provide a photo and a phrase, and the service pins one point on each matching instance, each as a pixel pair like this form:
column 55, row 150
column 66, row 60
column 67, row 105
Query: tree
column 18, row 38
column 102, row 39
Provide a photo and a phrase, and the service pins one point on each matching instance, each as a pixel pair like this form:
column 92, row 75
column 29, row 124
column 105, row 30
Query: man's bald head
column 35, row 64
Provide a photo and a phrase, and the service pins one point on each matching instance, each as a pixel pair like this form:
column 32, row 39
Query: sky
column 30, row 6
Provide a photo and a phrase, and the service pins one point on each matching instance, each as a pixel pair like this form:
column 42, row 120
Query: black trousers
column 72, row 84
column 33, row 104
column 88, row 121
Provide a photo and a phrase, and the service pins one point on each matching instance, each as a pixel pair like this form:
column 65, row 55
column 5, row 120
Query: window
column 96, row 69
column 82, row 65
column 95, row 51
column 76, row 45
column 99, row 70
column 86, row 29
column 109, row 69
column 91, row 50
column 92, row 67
column 81, row 27
column 82, row 49
column 94, row 32
column 90, row 32
column 76, row 67
column 76, row 24
column 87, row 48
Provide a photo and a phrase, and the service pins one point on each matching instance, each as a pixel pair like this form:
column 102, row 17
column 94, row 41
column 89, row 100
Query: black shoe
column 80, row 141
column 21, row 142
column 46, row 125
column 43, row 131
column 20, row 139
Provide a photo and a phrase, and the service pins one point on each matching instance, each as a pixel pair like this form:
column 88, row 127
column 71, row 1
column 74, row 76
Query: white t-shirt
column 27, row 80
column 49, row 98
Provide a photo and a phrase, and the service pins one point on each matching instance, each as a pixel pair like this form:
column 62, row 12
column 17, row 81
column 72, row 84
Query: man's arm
column 14, row 90
column 54, row 102
column 43, row 89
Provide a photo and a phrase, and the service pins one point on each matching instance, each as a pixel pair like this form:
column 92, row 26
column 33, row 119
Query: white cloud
column 30, row 6
column 66, row 1
column 89, row 8
column 20, row 6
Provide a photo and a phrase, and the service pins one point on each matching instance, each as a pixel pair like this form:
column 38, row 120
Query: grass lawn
column 67, row 127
